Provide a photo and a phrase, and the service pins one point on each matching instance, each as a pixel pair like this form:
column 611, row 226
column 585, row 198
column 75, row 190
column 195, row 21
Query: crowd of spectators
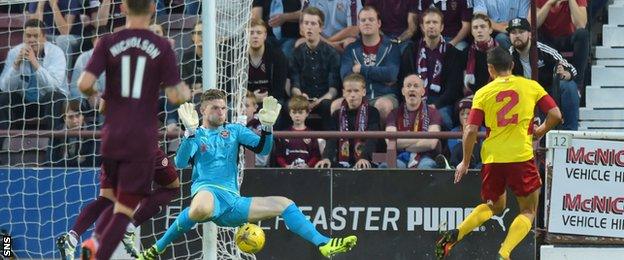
column 342, row 65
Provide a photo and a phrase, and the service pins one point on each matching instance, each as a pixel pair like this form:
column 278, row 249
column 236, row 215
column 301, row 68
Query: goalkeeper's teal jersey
column 214, row 154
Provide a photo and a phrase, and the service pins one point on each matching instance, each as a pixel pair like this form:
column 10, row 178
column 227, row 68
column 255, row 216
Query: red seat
column 11, row 26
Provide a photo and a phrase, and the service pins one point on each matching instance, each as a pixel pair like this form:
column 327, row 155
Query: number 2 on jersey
column 501, row 116
column 138, row 76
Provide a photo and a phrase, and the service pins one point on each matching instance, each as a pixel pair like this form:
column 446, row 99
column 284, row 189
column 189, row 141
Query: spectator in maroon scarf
column 434, row 59
column 415, row 115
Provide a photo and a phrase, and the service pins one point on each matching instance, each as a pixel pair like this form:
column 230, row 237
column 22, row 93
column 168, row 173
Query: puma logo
column 500, row 219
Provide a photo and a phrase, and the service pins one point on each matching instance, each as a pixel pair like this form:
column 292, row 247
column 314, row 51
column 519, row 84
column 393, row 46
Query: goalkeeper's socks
column 112, row 235
column 181, row 225
column 298, row 224
column 89, row 214
column 150, row 206
column 477, row 217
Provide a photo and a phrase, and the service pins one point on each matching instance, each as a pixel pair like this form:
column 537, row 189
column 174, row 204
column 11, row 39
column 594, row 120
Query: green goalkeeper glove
column 189, row 118
column 269, row 112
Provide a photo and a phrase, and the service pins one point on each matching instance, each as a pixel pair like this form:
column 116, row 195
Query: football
column 249, row 238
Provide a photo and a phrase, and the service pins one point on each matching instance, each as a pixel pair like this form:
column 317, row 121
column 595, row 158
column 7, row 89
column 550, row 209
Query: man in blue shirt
column 341, row 19
column 213, row 150
column 64, row 28
column 500, row 13
column 375, row 57
column 33, row 78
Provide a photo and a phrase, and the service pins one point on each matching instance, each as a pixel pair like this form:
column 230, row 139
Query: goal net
column 49, row 132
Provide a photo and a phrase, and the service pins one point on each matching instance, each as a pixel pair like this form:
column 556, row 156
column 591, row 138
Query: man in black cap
column 555, row 74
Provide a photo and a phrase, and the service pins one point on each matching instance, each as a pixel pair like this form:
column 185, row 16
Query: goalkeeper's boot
column 338, row 245
column 64, row 245
column 128, row 242
column 89, row 248
column 149, row 254
column 445, row 243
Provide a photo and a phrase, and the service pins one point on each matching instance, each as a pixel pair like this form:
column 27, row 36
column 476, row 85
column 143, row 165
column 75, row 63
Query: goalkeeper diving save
column 213, row 151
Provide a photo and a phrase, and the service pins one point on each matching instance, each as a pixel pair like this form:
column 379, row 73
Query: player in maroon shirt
column 165, row 175
column 137, row 63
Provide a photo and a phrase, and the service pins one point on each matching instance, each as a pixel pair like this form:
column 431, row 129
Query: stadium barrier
column 395, row 213
column 390, row 155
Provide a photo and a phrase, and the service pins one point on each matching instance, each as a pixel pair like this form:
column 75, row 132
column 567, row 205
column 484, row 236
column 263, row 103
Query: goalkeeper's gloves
column 188, row 116
column 269, row 112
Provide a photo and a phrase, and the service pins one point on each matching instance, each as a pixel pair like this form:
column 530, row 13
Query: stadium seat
column 604, row 108
column 10, row 32
column 178, row 27
column 24, row 151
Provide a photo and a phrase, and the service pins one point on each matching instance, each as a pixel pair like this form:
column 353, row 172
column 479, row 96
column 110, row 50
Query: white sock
column 130, row 227
column 73, row 238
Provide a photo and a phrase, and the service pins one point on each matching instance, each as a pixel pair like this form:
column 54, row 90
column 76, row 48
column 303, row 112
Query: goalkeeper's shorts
column 230, row 209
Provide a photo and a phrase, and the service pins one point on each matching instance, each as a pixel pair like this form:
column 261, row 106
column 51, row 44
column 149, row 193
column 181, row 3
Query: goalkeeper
column 213, row 150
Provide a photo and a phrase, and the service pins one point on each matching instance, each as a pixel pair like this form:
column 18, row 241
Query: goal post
column 225, row 38
column 209, row 78
column 36, row 187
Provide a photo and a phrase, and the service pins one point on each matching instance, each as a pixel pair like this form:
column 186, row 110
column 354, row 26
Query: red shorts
column 521, row 177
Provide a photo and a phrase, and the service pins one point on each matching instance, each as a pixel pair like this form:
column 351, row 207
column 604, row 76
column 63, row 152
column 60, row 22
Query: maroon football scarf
column 407, row 123
column 420, row 122
column 469, row 78
column 361, row 122
column 432, row 76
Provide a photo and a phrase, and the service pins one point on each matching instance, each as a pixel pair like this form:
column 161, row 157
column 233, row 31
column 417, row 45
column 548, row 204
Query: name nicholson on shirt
column 136, row 42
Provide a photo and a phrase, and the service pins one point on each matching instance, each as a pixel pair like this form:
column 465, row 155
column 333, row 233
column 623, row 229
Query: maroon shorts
column 131, row 181
column 521, row 177
column 164, row 173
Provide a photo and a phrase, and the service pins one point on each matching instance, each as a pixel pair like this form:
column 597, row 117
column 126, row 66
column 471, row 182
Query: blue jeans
column 460, row 45
column 446, row 113
column 287, row 45
column 191, row 7
column 425, row 161
column 578, row 43
column 569, row 104
column 503, row 40
column 403, row 45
